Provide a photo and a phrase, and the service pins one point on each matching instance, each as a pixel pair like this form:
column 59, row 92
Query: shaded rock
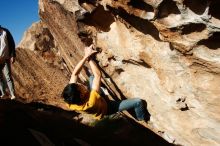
column 159, row 51
column 54, row 126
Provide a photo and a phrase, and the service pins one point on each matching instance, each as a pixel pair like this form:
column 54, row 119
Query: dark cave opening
column 214, row 9
column 166, row 8
column 139, row 4
column 190, row 28
column 99, row 18
column 197, row 6
column 212, row 42
column 87, row 1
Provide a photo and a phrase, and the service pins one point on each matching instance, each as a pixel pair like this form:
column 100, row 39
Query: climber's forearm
column 97, row 75
column 94, row 68
column 88, row 52
column 77, row 70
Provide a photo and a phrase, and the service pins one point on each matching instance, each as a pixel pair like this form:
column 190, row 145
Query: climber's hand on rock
column 89, row 51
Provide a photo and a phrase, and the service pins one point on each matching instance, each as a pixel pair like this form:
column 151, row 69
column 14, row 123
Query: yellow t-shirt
column 96, row 105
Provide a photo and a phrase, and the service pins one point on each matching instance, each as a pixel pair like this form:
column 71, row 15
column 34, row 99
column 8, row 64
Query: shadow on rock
column 39, row 124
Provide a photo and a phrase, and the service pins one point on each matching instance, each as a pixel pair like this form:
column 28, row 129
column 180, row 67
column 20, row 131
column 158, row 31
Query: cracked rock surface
column 166, row 52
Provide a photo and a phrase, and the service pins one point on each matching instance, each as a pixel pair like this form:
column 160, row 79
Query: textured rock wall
column 163, row 51
column 39, row 71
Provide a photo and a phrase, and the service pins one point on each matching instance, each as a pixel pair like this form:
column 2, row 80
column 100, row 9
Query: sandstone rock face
column 166, row 52
column 38, row 39
column 39, row 71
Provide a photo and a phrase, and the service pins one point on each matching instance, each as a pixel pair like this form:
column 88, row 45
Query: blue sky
column 18, row 15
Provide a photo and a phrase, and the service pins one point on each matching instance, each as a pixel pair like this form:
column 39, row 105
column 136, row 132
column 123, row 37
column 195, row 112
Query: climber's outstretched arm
column 88, row 51
column 97, row 75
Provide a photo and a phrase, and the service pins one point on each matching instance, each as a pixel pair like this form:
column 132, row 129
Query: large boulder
column 166, row 52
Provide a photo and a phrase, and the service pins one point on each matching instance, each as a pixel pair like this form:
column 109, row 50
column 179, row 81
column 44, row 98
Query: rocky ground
column 40, row 124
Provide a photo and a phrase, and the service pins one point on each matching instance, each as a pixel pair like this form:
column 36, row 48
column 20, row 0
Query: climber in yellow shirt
column 81, row 98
